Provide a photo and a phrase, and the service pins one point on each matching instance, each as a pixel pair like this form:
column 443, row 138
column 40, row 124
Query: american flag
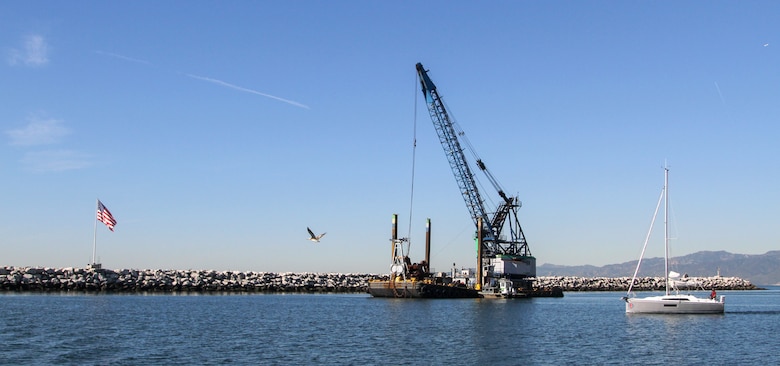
column 104, row 215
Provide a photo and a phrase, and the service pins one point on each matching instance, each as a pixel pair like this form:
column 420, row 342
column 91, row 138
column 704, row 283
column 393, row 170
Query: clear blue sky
column 216, row 132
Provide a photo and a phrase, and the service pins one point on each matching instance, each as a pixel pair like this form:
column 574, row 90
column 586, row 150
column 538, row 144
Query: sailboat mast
column 666, row 227
column 94, row 235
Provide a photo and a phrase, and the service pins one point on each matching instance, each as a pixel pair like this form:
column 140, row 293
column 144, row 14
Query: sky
column 217, row 132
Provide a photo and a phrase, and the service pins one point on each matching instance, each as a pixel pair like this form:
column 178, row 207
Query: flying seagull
column 315, row 238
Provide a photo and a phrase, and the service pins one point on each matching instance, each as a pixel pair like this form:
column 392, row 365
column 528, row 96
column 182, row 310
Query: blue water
column 581, row 328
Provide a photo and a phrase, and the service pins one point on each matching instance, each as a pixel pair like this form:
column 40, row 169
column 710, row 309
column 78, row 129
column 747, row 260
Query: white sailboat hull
column 675, row 304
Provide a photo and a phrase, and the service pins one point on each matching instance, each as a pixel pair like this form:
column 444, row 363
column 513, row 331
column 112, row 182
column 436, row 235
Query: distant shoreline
column 38, row 279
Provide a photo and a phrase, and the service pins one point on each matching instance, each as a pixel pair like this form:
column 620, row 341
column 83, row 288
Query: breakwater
column 130, row 280
column 642, row 283
column 133, row 280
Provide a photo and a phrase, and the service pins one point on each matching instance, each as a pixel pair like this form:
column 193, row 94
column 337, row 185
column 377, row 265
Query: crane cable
column 461, row 135
column 414, row 153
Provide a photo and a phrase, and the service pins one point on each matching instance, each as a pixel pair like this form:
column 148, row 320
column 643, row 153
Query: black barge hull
column 421, row 290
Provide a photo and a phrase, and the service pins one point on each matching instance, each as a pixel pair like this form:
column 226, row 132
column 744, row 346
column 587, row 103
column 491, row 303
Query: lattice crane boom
column 452, row 149
column 502, row 258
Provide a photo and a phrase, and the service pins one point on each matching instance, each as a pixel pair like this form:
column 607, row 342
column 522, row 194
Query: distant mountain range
column 760, row 269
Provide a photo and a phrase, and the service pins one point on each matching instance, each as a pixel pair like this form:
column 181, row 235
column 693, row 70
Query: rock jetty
column 641, row 283
column 133, row 280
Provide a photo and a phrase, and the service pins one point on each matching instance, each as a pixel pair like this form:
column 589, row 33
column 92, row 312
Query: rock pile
column 641, row 283
column 133, row 280
column 130, row 280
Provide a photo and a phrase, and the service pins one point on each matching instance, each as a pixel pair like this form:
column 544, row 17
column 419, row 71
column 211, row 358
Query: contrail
column 215, row 81
column 123, row 57
column 719, row 93
column 239, row 88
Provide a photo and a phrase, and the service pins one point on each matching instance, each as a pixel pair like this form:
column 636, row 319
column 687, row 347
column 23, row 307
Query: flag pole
column 94, row 237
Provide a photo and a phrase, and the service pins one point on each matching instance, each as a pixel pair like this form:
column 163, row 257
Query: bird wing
column 311, row 233
column 320, row 236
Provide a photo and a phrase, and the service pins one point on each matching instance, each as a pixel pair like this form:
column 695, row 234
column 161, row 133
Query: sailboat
column 671, row 302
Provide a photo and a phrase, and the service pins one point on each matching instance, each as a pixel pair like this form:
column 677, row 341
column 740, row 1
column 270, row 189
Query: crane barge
column 505, row 265
column 414, row 280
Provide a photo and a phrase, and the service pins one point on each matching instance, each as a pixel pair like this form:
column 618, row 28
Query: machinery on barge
column 415, row 280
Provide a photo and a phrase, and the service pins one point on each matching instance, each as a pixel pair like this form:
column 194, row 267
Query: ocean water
column 587, row 328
